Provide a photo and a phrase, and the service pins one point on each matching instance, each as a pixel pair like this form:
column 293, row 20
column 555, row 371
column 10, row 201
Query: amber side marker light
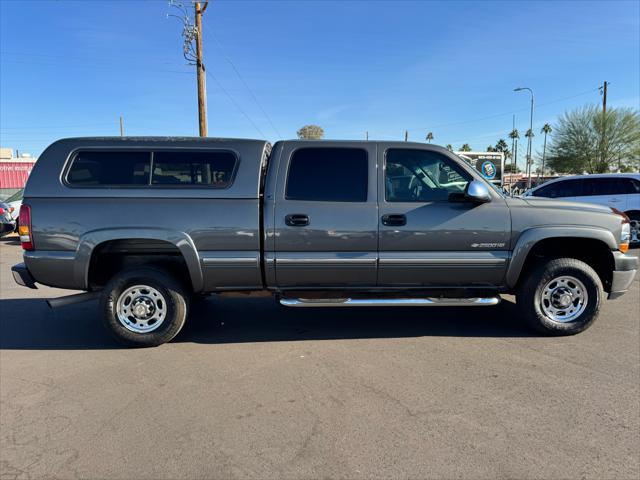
column 625, row 234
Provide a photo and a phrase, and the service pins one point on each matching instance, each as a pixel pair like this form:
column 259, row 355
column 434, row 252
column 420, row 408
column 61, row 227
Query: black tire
column 532, row 302
column 169, row 299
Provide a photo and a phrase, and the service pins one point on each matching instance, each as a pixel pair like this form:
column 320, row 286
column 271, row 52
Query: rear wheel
column 144, row 307
column 561, row 297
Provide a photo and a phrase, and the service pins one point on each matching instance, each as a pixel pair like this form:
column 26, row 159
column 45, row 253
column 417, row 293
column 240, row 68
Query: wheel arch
column 91, row 242
column 592, row 245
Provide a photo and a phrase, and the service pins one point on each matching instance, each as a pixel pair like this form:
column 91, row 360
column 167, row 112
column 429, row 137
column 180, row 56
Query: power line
column 93, row 66
column 506, row 113
column 237, row 72
column 488, row 117
column 57, row 126
column 224, row 90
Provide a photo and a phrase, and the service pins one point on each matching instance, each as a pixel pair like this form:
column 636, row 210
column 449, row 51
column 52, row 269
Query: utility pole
column 529, row 137
column 202, row 88
column 513, row 145
column 603, row 146
column 406, row 135
column 121, row 127
column 366, row 135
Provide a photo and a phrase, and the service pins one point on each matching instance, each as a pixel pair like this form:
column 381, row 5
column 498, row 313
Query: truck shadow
column 10, row 240
column 29, row 324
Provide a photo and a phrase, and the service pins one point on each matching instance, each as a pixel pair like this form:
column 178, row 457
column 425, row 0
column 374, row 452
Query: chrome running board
column 390, row 302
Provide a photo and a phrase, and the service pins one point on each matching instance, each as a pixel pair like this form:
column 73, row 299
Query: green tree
column 310, row 132
column 429, row 137
column 449, row 147
column 501, row 146
column 546, row 130
column 585, row 140
column 491, row 148
column 511, row 168
column 465, row 148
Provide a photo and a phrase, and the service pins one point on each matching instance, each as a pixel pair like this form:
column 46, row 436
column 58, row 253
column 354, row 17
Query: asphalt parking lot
column 253, row 390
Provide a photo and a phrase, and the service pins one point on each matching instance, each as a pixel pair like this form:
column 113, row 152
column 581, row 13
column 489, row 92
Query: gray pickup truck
column 149, row 224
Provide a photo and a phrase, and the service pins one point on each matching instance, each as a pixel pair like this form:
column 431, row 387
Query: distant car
column 7, row 223
column 14, row 201
column 618, row 190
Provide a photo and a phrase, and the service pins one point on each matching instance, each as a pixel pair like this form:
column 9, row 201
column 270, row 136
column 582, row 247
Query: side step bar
column 390, row 302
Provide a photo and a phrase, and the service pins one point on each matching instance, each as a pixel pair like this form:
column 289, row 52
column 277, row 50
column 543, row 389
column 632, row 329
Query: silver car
column 7, row 223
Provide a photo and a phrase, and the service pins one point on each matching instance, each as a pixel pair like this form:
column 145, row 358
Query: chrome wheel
column 564, row 299
column 141, row 309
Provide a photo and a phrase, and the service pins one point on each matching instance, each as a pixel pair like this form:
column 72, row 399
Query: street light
column 530, row 136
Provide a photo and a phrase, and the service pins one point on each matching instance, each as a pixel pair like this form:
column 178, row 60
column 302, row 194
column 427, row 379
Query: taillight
column 24, row 228
column 1, row 210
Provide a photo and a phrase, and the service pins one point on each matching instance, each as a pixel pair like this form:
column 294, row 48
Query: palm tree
column 449, row 147
column 546, row 129
column 429, row 137
column 465, row 148
column 529, row 135
column 514, row 136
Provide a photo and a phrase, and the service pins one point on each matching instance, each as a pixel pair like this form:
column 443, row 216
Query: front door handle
column 297, row 220
column 394, row 220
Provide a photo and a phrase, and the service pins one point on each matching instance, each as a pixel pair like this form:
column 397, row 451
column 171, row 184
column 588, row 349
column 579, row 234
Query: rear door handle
column 394, row 220
column 297, row 220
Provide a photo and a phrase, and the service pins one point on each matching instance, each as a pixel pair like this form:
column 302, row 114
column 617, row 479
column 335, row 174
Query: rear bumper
column 22, row 276
column 626, row 266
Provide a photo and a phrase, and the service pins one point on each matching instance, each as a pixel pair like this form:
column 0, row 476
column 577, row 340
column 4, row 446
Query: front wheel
column 144, row 307
column 561, row 297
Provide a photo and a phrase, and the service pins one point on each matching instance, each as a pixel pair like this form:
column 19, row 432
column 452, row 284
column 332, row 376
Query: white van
column 617, row 190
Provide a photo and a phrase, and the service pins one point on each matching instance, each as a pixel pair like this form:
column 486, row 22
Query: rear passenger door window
column 185, row 167
column 328, row 175
column 610, row 191
column 109, row 168
column 608, row 186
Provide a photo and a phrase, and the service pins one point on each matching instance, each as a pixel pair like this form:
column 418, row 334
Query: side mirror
column 478, row 192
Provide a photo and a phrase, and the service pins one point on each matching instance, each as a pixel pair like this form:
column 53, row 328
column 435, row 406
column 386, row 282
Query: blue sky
column 71, row 68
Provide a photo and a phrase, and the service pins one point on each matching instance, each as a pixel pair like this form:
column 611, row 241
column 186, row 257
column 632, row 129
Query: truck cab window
column 413, row 175
column 328, row 175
